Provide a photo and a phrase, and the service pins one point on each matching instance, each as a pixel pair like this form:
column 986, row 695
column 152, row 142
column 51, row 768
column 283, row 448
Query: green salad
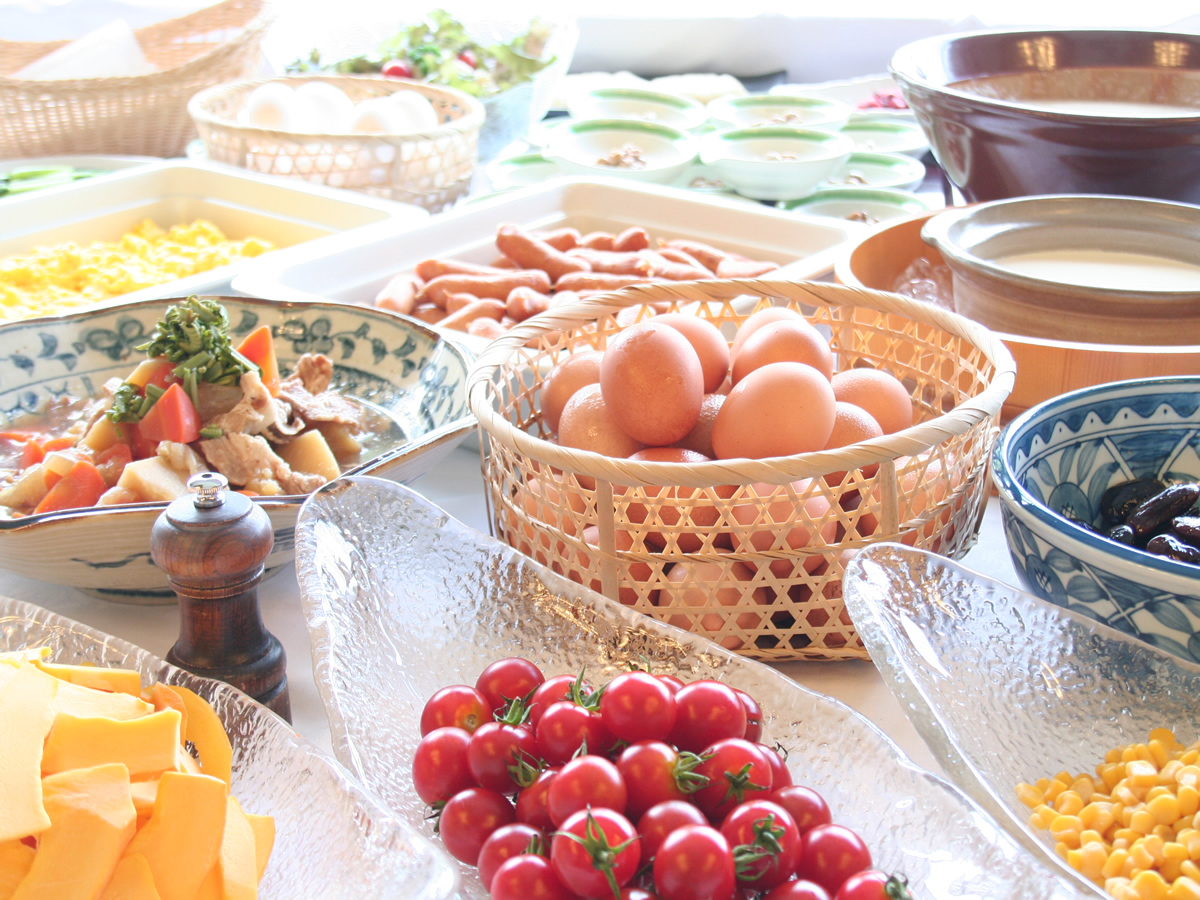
column 439, row 50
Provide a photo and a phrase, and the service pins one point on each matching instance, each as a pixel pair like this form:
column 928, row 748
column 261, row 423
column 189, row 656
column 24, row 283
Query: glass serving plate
column 1005, row 687
column 333, row 839
column 401, row 600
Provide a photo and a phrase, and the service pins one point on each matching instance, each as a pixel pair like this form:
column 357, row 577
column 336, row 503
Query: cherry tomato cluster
column 645, row 789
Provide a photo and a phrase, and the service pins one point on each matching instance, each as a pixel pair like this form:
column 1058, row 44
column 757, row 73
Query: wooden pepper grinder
column 212, row 544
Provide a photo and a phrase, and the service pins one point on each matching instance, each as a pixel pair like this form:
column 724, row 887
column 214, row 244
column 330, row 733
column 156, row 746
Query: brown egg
column 587, row 572
column 682, row 507
column 778, row 410
column 780, row 524
column 708, row 342
column 920, row 488
column 691, row 585
column 540, row 503
column 880, row 393
column 652, row 383
column 700, row 437
column 587, row 423
column 571, row 373
column 757, row 320
column 851, row 424
column 784, row 342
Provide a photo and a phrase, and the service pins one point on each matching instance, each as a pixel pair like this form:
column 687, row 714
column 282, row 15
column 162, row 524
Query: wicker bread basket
column 141, row 114
column 431, row 169
column 757, row 547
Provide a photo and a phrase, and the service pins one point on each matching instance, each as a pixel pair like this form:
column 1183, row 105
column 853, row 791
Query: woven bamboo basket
column 431, row 169
column 143, row 114
column 750, row 553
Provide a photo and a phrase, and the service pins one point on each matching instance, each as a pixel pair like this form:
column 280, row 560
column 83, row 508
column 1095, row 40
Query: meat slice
column 315, row 372
column 307, row 391
column 253, row 414
column 248, row 461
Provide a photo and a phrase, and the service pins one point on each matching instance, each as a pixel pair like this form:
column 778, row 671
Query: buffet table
column 457, row 486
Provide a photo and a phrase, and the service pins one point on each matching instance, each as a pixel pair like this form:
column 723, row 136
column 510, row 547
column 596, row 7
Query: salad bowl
column 1007, row 688
column 397, row 366
column 401, row 600
column 333, row 839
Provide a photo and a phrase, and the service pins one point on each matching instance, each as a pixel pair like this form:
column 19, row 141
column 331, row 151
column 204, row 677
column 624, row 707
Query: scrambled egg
column 56, row 279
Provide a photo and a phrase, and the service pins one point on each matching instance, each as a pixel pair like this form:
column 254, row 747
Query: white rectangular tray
column 353, row 271
column 242, row 204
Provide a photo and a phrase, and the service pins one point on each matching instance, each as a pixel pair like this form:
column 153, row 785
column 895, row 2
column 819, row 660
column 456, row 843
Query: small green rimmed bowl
column 868, row 206
column 879, row 136
column 642, row 151
column 775, row 163
column 768, row 110
column 639, row 105
column 880, row 170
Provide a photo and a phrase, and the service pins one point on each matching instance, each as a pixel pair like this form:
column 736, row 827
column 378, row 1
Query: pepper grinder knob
column 213, row 544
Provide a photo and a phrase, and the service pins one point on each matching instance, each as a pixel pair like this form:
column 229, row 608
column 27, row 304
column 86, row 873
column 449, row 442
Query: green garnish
column 194, row 335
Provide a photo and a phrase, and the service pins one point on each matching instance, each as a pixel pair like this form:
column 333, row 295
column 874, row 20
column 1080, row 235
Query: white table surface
column 457, row 486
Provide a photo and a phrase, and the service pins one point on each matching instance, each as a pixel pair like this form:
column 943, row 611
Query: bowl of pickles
column 1099, row 492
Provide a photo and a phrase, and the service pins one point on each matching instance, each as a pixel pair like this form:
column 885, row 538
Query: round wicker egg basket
column 431, row 169
column 750, row 553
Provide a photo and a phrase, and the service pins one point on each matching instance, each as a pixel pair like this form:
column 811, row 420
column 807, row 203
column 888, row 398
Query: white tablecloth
column 457, row 486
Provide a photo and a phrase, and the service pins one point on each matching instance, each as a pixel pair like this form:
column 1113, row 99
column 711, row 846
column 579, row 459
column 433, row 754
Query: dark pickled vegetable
column 1123, row 534
column 1172, row 547
column 1120, row 500
column 1187, row 528
column 1154, row 514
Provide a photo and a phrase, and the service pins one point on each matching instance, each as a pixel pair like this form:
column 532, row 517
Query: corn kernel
column 1190, row 869
column 1184, row 888
column 1159, row 752
column 1097, row 816
column 1115, row 864
column 1141, row 773
column 1066, row 829
column 1189, row 800
column 1029, row 795
column 1142, row 821
column 1150, row 886
column 1068, row 803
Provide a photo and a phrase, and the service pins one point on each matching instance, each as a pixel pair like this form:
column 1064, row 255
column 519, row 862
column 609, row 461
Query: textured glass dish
column 401, row 599
column 1005, row 687
column 333, row 839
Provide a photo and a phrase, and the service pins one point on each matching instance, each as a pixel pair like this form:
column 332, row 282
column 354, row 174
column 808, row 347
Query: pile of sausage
column 540, row 269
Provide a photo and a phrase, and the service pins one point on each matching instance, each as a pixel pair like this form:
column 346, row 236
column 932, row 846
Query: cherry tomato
column 695, row 862
column 807, row 807
column 872, row 884
column 495, row 750
column 781, row 776
column 468, row 56
column 595, row 852
column 736, row 772
column 649, row 771
column 506, row 842
column 469, row 818
column 797, row 890
column 671, row 682
column 706, row 712
column 397, row 68
column 662, row 819
column 637, row 706
column 771, row 829
column 565, row 728
column 457, row 706
column 531, row 802
column 551, row 691
column 440, row 768
column 586, row 781
column 637, row 893
column 507, row 679
column 754, row 716
column 830, row 854
column 525, row 877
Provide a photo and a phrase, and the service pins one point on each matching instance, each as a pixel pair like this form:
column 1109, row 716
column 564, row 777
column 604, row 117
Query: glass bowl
column 401, row 600
column 1006, row 688
column 333, row 838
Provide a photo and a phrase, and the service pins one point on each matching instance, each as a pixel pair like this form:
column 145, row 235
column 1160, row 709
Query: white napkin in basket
column 110, row 51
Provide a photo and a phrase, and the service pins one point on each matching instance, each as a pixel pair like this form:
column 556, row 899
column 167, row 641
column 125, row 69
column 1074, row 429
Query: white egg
column 375, row 116
column 271, row 105
column 323, row 108
column 416, row 112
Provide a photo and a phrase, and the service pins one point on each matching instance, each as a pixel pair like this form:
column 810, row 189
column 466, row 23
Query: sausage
column 596, row 281
column 674, row 254
column 708, row 256
column 429, row 269
column 497, row 287
column 661, row 267
column 487, row 307
column 560, row 238
column 744, row 268
column 611, row 261
column 486, row 328
column 532, row 253
column 455, row 302
column 523, row 303
column 400, row 293
column 597, row 240
column 428, row 313
column 562, row 298
column 634, row 238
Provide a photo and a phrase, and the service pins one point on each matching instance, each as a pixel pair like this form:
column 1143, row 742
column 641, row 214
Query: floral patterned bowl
column 395, row 364
column 1054, row 462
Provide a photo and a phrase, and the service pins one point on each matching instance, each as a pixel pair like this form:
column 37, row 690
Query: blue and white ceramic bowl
column 397, row 365
column 1057, row 460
